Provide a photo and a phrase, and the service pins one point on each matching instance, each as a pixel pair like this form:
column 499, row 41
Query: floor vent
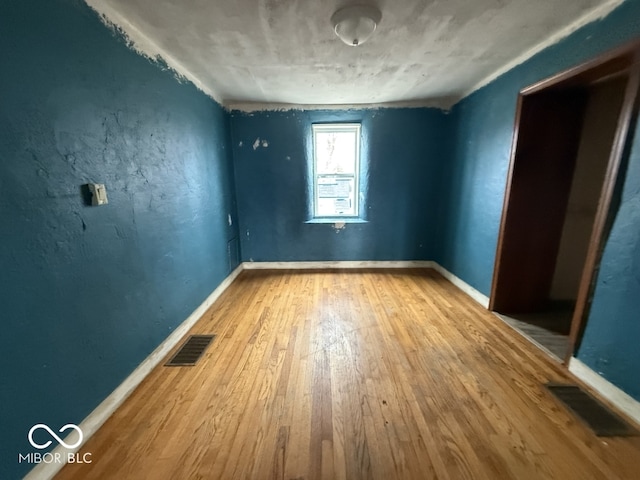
column 601, row 419
column 191, row 351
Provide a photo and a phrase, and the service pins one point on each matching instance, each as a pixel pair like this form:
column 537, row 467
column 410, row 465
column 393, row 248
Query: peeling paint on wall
column 251, row 108
column 274, row 194
column 147, row 47
column 339, row 226
column 259, row 143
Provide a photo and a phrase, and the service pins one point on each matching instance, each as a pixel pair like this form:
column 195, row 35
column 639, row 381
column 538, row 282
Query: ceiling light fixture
column 355, row 24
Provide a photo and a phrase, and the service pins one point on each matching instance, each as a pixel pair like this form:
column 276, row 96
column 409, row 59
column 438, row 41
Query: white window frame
column 329, row 128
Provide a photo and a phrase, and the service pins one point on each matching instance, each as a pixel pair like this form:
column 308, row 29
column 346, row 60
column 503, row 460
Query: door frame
column 622, row 61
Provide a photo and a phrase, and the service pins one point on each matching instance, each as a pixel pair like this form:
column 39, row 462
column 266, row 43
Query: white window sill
column 336, row 220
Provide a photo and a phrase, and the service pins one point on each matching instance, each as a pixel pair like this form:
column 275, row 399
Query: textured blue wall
column 404, row 148
column 610, row 342
column 476, row 177
column 88, row 292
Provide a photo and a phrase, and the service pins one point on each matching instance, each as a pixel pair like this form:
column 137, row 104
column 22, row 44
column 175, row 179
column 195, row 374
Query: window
column 336, row 169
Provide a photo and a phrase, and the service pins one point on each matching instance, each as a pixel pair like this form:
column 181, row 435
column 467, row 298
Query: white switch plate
column 99, row 194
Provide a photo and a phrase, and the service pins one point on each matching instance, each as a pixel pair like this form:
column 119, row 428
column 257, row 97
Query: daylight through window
column 336, row 164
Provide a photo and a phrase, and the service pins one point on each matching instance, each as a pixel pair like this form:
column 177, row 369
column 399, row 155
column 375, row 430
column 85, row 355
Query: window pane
column 335, row 152
column 335, row 196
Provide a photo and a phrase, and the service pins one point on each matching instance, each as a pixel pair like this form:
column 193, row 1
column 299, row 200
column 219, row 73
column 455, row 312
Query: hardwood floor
column 348, row 375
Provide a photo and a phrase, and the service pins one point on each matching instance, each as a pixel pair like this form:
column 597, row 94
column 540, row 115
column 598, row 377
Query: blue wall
column 88, row 292
column 476, row 175
column 404, row 148
column 610, row 343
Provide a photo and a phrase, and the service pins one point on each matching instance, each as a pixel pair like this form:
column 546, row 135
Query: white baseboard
column 479, row 297
column 336, row 264
column 102, row 412
column 625, row 403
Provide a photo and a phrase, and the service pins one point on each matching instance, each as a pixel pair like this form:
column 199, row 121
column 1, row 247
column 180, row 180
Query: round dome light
column 355, row 24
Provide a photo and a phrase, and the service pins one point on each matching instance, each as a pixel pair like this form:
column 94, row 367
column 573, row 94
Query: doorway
column 568, row 145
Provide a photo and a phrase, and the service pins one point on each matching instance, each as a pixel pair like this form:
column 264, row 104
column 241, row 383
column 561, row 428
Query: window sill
column 336, row 220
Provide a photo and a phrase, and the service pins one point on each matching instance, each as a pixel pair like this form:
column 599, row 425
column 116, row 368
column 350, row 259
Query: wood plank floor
column 349, row 375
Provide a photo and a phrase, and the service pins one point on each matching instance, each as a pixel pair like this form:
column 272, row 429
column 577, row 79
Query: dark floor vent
column 601, row 419
column 191, row 351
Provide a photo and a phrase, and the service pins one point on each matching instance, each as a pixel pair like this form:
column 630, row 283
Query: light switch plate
column 99, row 194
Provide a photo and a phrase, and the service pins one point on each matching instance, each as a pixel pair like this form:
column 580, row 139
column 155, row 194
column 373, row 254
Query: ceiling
column 252, row 53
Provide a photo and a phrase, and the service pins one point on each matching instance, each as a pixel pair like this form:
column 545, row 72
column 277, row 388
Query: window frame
column 328, row 128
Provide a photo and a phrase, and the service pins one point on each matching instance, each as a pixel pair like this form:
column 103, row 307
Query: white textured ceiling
column 428, row 52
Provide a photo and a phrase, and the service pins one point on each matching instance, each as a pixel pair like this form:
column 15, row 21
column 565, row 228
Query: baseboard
column 102, row 412
column 479, row 297
column 336, row 264
column 625, row 403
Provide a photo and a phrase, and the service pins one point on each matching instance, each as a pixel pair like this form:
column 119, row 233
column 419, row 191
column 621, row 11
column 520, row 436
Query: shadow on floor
column 548, row 329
